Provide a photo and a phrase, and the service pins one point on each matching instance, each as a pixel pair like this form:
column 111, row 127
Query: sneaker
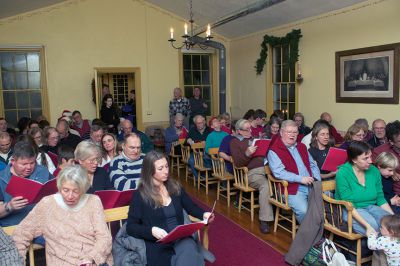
column 264, row 227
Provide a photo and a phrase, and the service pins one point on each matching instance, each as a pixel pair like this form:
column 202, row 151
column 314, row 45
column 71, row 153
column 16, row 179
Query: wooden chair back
column 213, row 151
column 218, row 165
column 116, row 215
column 278, row 190
column 185, row 153
column 198, row 145
column 241, row 178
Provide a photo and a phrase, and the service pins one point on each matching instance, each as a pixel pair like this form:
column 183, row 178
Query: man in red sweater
column 242, row 151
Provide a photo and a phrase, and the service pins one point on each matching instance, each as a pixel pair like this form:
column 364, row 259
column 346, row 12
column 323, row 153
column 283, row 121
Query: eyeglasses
column 246, row 129
column 291, row 132
column 94, row 161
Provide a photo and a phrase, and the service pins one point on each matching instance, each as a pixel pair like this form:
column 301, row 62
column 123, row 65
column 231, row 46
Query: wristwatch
column 8, row 208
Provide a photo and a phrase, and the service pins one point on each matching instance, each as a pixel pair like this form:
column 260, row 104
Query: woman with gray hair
column 172, row 135
column 71, row 221
column 88, row 155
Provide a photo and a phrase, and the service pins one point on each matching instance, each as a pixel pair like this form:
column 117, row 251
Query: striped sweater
column 125, row 173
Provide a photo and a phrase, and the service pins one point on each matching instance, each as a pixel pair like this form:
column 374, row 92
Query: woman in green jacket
column 359, row 182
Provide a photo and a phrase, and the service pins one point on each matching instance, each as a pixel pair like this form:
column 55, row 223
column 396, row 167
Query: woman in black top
column 109, row 113
column 88, row 156
column 157, row 208
column 321, row 142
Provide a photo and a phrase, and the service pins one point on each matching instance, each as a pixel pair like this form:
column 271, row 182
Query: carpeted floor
column 234, row 246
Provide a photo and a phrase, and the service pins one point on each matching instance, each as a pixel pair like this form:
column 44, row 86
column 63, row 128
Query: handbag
column 314, row 255
column 331, row 256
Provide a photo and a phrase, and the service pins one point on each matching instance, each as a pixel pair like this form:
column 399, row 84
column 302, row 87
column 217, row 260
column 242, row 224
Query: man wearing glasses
column 125, row 169
column 290, row 161
column 242, row 151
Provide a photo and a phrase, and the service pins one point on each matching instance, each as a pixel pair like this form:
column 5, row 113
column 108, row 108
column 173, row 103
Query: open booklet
column 262, row 147
column 335, row 158
column 184, row 133
column 184, row 230
column 115, row 198
column 29, row 189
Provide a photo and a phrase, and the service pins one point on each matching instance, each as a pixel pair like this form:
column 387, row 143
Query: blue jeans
column 299, row 203
column 372, row 214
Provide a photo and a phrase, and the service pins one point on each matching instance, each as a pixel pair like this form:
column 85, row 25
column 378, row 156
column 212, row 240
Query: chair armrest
column 347, row 204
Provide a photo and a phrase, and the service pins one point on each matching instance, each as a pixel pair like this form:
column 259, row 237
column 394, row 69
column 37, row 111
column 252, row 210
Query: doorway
column 124, row 85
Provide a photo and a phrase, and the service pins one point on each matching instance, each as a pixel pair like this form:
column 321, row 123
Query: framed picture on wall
column 368, row 75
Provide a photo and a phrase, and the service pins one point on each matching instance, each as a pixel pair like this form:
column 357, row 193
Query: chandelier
column 189, row 40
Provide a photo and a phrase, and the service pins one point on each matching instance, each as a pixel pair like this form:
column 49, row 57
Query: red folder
column 115, row 198
column 184, row 133
column 29, row 189
column 182, row 231
column 262, row 147
column 334, row 158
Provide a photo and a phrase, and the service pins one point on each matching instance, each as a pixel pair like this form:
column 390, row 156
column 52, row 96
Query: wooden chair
column 9, row 230
column 278, row 190
column 335, row 224
column 198, row 153
column 175, row 159
column 219, row 172
column 242, row 184
column 185, row 159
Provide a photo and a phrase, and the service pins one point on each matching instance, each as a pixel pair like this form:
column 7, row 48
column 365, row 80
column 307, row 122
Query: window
column 21, row 84
column 121, row 90
column 197, row 72
column 284, row 82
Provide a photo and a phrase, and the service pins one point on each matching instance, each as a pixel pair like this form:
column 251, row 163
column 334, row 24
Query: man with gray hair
column 379, row 130
column 126, row 168
column 5, row 148
column 242, row 154
column 290, row 161
column 96, row 133
column 179, row 104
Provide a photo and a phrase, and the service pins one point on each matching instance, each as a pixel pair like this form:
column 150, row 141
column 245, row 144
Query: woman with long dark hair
column 157, row 208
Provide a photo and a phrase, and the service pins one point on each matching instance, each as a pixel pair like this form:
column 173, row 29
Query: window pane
column 205, row 62
column 284, row 96
column 276, row 93
column 284, row 107
column 205, row 77
column 292, row 109
column 23, row 113
column 35, row 113
column 20, row 62
column 11, row 117
column 277, row 105
column 206, row 93
column 33, row 62
column 22, row 80
column 34, row 80
column 9, row 100
column 186, row 62
column 285, row 53
column 285, row 77
column 196, row 62
column 188, row 91
column 8, row 81
column 292, row 74
column 277, row 55
column 22, row 100
column 292, row 93
column 187, row 76
column 35, row 100
column 6, row 61
column 196, row 77
column 277, row 74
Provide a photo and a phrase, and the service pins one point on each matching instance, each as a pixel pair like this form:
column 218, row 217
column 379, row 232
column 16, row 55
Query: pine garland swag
column 292, row 39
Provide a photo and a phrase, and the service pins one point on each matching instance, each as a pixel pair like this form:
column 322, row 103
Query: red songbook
column 184, row 133
column 334, row 158
column 262, row 147
column 182, row 231
column 31, row 190
column 115, row 198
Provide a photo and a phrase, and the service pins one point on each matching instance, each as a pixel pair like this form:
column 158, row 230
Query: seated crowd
column 88, row 156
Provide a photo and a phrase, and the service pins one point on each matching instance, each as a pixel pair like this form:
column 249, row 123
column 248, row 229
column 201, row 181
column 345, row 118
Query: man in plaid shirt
column 179, row 104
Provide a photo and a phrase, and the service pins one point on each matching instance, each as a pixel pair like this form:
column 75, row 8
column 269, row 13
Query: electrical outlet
column 148, row 112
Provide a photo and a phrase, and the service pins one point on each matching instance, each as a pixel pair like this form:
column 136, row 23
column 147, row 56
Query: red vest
column 84, row 131
column 288, row 161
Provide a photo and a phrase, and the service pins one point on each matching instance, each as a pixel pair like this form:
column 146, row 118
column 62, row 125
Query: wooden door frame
column 138, row 89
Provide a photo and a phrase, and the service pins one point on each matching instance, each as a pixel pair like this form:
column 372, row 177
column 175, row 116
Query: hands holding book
column 16, row 203
column 208, row 217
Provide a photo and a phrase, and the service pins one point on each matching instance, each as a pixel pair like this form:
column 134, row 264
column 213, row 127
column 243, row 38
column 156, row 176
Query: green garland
column 292, row 39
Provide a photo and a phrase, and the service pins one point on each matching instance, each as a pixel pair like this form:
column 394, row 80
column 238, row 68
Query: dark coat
column 142, row 217
column 311, row 228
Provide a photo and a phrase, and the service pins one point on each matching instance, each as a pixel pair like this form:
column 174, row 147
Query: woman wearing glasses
column 88, row 155
column 354, row 133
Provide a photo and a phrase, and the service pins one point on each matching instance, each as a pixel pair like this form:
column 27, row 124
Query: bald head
column 327, row 117
column 126, row 126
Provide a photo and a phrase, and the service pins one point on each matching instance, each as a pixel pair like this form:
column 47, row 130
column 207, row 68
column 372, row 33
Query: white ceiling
column 212, row 11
